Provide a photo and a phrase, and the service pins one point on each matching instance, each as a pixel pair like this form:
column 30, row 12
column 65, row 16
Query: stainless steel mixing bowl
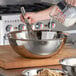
column 41, row 48
column 69, row 65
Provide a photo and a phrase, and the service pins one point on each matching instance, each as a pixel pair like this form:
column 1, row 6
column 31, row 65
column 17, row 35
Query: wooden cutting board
column 9, row 59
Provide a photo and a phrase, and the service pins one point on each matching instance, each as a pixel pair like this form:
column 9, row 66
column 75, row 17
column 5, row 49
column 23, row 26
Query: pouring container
column 40, row 48
column 69, row 65
column 66, row 17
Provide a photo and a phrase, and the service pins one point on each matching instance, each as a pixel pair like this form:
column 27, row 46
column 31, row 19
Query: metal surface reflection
column 40, row 48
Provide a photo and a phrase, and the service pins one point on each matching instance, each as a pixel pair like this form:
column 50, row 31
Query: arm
column 41, row 15
column 50, row 11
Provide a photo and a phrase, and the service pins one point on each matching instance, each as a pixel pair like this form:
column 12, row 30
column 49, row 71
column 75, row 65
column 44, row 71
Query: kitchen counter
column 9, row 69
column 17, row 72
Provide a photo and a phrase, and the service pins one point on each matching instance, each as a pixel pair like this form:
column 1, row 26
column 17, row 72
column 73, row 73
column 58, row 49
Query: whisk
column 31, row 33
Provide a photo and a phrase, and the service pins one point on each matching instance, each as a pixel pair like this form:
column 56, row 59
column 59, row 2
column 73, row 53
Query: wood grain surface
column 10, row 60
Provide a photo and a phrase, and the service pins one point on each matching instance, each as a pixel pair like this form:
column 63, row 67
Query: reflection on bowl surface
column 40, row 48
column 69, row 64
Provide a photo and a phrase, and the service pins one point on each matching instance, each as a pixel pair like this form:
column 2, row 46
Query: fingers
column 58, row 10
column 71, row 2
column 67, row 1
column 27, row 16
column 60, row 17
column 55, row 11
column 74, row 2
column 31, row 21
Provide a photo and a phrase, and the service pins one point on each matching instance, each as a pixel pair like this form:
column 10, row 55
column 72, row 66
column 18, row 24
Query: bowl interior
column 41, row 35
column 47, row 44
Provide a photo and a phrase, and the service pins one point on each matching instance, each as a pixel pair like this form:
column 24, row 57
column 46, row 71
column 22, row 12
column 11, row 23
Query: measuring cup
column 66, row 17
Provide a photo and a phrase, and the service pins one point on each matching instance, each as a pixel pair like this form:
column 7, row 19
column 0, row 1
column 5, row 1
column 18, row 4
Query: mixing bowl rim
column 37, row 39
column 39, row 69
column 61, row 61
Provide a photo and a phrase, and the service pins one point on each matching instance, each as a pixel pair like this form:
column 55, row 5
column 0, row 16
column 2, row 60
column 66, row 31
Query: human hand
column 71, row 2
column 31, row 16
column 34, row 17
